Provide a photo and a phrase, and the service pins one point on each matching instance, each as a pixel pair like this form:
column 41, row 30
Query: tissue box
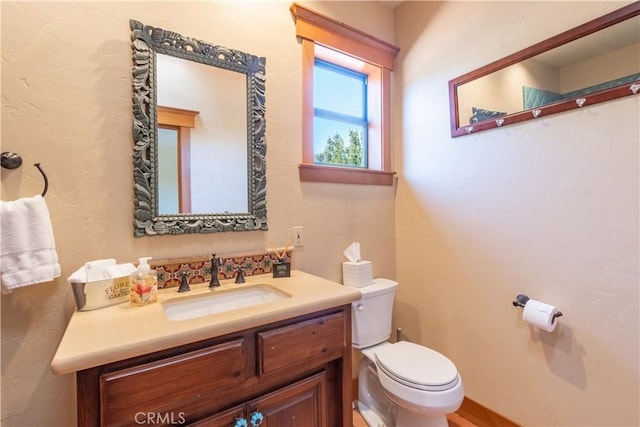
column 100, row 293
column 357, row 274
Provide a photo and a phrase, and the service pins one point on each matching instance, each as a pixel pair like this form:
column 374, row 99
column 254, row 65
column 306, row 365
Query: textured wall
column 66, row 102
column 548, row 208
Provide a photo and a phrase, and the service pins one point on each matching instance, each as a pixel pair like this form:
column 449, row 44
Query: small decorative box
column 281, row 269
column 100, row 293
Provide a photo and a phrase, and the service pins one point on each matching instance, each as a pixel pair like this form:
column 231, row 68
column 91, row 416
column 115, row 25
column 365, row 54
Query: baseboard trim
column 470, row 410
column 482, row 416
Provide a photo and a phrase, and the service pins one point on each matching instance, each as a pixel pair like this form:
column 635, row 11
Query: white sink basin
column 220, row 301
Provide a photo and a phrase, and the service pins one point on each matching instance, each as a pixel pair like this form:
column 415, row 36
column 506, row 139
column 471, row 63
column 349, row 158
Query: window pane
column 338, row 90
column 339, row 143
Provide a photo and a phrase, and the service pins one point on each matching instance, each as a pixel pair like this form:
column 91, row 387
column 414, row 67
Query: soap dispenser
column 144, row 284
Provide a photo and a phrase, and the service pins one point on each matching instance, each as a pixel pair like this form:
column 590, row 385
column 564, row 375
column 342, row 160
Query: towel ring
column 44, row 176
column 11, row 160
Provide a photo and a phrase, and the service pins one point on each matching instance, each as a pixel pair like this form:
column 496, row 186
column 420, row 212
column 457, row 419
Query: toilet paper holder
column 521, row 301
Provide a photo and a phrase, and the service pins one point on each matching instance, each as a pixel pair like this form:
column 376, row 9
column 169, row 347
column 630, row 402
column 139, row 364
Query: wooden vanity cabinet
column 295, row 372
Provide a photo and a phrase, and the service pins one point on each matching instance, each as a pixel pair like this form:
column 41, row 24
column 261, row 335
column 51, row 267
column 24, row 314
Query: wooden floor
column 455, row 420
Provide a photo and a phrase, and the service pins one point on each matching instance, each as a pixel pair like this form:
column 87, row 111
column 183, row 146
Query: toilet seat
column 416, row 366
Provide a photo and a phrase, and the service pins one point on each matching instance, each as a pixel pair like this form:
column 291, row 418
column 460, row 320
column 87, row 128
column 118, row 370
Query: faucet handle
column 184, row 284
column 240, row 276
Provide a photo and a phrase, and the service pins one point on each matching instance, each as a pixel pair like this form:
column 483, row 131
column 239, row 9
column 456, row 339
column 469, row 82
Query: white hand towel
column 27, row 246
column 79, row 276
column 120, row 270
column 91, row 271
column 95, row 269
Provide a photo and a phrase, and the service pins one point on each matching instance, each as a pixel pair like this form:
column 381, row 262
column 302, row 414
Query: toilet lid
column 416, row 366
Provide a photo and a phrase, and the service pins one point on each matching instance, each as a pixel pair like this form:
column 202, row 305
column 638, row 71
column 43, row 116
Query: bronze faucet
column 215, row 265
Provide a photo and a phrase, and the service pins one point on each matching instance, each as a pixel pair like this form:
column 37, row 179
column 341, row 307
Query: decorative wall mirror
column 592, row 63
column 199, row 135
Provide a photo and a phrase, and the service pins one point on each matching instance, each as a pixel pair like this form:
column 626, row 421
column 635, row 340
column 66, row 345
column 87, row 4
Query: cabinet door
column 302, row 404
column 228, row 418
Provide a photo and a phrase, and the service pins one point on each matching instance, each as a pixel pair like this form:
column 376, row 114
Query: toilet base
column 370, row 416
column 406, row 418
column 376, row 409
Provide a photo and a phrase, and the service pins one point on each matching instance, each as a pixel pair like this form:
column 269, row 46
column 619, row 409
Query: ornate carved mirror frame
column 147, row 42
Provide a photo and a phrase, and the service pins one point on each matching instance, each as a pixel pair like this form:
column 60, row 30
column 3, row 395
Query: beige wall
column 548, row 208
column 66, row 102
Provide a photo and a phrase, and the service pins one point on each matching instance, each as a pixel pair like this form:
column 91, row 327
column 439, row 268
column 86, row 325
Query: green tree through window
column 337, row 153
column 340, row 116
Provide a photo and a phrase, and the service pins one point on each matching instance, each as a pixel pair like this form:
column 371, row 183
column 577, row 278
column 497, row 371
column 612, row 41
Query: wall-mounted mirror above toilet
column 595, row 62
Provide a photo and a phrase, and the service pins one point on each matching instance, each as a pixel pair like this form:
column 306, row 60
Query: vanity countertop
column 121, row 331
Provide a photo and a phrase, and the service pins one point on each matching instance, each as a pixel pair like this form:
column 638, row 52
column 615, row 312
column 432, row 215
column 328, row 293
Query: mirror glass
column 199, row 121
column 219, row 132
column 595, row 62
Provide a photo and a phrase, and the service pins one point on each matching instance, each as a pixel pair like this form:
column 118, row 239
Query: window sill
column 317, row 173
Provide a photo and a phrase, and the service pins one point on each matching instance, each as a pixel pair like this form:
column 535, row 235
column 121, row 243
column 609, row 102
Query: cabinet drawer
column 167, row 384
column 313, row 341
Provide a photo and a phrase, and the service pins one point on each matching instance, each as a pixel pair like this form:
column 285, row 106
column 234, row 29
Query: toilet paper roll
column 540, row 315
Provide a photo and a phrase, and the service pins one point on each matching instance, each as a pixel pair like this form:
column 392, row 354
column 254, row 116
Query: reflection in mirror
column 199, row 155
column 595, row 62
column 217, row 139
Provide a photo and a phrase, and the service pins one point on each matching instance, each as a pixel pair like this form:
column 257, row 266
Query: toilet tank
column 371, row 315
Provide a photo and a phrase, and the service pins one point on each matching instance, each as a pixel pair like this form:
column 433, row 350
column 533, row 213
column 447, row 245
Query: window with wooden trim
column 330, row 45
column 174, row 164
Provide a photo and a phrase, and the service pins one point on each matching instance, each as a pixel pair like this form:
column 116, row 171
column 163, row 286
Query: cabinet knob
column 360, row 307
column 241, row 422
column 256, row 418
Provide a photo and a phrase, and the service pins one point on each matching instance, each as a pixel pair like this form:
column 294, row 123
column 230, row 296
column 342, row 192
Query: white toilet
column 400, row 384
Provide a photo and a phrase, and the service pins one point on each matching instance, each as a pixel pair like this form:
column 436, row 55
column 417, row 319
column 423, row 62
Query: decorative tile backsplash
column 198, row 268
